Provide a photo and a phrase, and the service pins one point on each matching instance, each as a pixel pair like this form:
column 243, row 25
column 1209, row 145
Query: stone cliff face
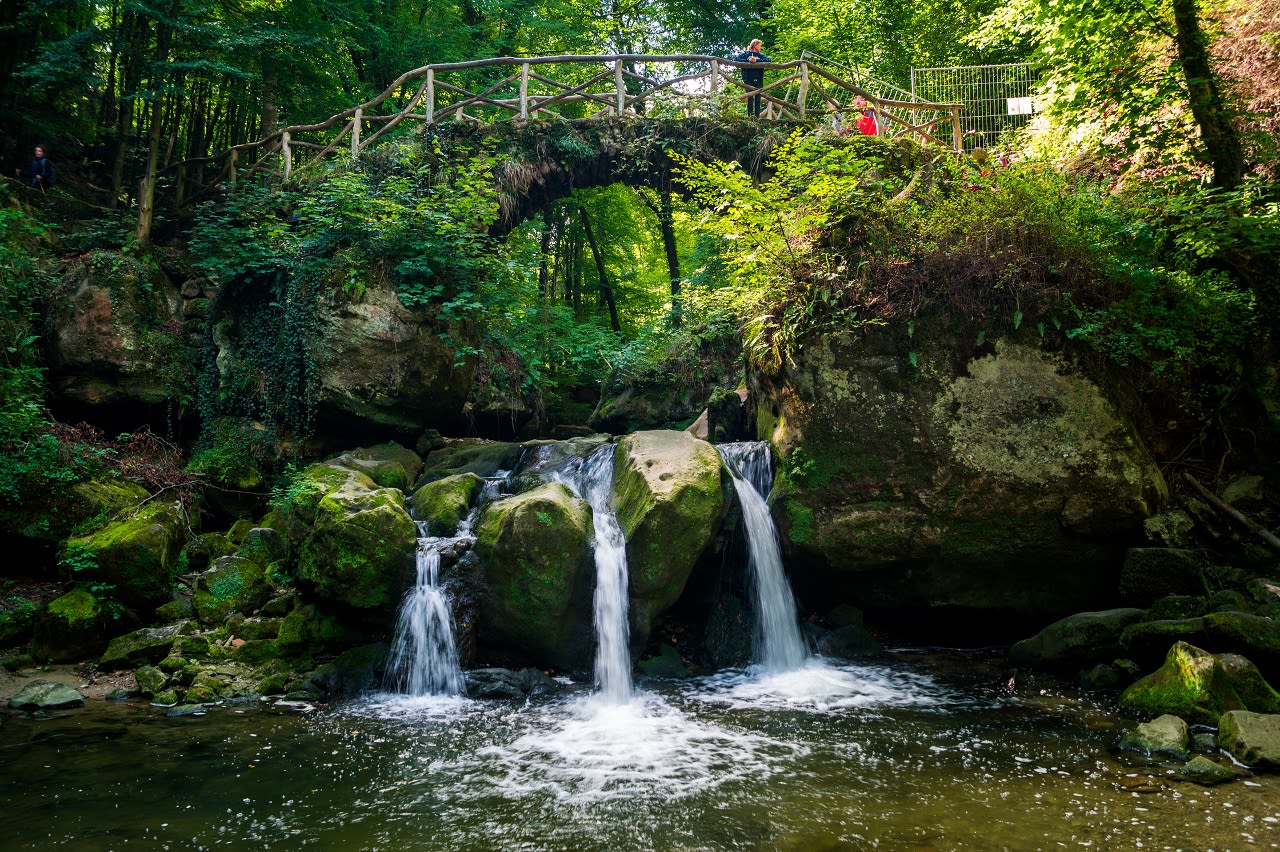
column 932, row 473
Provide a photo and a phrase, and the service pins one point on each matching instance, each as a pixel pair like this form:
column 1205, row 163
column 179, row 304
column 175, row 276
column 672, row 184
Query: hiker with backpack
column 41, row 173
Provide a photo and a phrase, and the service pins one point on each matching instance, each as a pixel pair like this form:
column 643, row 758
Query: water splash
column 424, row 656
column 779, row 645
column 593, row 481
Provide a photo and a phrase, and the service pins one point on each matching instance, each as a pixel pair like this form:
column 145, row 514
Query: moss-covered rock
column 351, row 673
column 1251, row 738
column 233, row 584
column 150, row 680
column 443, row 503
column 1149, row 641
column 360, row 549
column 1191, row 684
column 1163, row 735
column 71, row 628
column 470, row 455
column 142, row 646
column 389, row 465
column 1173, row 607
column 670, row 500
column 535, row 555
column 1076, row 641
column 264, row 545
column 938, row 470
column 137, row 555
column 1256, row 637
column 1151, row 573
column 1248, row 683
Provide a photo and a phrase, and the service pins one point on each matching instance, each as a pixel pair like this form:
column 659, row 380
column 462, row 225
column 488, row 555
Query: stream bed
column 915, row 752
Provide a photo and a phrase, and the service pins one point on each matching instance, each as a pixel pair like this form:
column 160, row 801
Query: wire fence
column 997, row 98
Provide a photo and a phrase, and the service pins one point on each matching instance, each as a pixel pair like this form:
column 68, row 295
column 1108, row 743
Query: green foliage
column 77, row 559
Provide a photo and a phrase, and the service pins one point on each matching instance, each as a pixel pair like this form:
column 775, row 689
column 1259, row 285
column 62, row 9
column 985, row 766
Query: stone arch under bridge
column 545, row 162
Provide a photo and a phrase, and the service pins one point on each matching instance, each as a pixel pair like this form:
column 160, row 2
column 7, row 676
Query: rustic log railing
column 523, row 88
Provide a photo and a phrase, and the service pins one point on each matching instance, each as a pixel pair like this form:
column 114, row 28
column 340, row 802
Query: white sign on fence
column 1019, row 106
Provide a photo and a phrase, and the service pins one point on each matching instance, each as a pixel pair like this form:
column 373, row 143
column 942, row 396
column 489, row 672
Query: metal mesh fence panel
column 996, row 97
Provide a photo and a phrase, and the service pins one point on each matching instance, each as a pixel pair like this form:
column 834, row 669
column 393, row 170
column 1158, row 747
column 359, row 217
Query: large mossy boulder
column 1195, row 685
column 1151, row 573
column 535, row 556
column 50, row 515
column 933, row 468
column 444, row 503
column 1077, row 641
column 359, row 549
column 233, row 584
column 72, row 628
column 137, row 555
column 669, row 497
column 1256, row 637
column 389, row 465
column 1251, row 738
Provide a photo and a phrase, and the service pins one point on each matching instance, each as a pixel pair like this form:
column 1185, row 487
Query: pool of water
column 918, row 753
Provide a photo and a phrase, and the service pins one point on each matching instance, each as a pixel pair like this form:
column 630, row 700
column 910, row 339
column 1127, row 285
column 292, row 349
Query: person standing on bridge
column 753, row 78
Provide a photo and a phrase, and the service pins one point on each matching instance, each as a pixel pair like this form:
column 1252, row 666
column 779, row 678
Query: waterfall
column 424, row 655
column 779, row 645
column 593, row 481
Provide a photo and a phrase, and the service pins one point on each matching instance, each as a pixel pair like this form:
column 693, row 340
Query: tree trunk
column 606, row 291
column 147, row 193
column 1221, row 140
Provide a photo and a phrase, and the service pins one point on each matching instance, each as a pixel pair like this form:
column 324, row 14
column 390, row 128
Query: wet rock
column 359, row 551
column 70, row 629
column 1110, row 677
column 389, row 465
column 851, row 642
column 998, row 480
column 1254, row 636
column 46, row 695
column 137, row 555
column 670, row 500
column 535, row 557
column 470, row 455
column 151, row 680
column 264, row 545
column 1162, row 735
column 666, row 664
column 1151, row 573
column 505, row 684
column 175, row 610
column 1076, row 641
column 1251, row 738
column 146, row 645
column 1247, row 681
column 1191, row 684
column 1148, row 641
column 727, row 637
column 1174, row 607
column 233, row 584
column 1265, row 592
column 351, row 673
column 187, row 710
column 1208, row 773
column 444, row 503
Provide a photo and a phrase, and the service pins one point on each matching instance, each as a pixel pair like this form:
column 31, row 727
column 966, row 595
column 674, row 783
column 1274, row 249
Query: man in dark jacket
column 752, row 78
column 41, row 171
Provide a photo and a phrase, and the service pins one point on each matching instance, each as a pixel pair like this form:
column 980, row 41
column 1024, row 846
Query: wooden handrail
column 605, row 86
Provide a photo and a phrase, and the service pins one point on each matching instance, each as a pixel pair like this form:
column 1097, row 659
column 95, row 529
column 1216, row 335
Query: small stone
column 1164, row 735
column 1202, row 770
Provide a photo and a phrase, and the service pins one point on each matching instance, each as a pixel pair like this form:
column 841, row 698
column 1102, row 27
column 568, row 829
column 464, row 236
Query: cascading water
column 593, row 481
column 779, row 645
column 424, row 656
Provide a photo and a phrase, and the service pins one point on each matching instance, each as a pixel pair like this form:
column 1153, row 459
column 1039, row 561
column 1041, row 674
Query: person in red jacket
column 867, row 120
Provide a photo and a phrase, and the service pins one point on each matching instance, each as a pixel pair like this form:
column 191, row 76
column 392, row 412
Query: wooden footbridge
column 562, row 87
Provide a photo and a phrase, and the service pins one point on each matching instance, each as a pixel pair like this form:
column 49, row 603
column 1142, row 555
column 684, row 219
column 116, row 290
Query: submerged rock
column 46, row 695
column 1206, row 772
column 506, row 684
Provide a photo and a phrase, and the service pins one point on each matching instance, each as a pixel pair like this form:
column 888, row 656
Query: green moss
column 799, row 520
column 444, row 503
column 1191, row 685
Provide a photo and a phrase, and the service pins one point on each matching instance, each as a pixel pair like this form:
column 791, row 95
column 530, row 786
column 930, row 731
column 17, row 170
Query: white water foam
column 819, row 687
column 592, row 750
